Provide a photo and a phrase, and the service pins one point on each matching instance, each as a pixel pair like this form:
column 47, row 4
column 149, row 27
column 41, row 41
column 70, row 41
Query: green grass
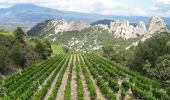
column 7, row 33
column 57, row 49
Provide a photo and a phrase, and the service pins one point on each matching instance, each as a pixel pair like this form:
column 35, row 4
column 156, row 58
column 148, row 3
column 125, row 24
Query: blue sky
column 107, row 7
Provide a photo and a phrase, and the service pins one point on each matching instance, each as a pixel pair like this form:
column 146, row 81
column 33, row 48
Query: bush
column 3, row 63
column 160, row 95
column 140, row 94
column 18, row 56
column 168, row 91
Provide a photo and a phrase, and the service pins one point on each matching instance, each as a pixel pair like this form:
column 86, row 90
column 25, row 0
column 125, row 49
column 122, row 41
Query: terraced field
column 81, row 77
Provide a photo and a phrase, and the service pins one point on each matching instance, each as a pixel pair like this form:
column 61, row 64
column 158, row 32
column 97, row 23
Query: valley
column 85, row 50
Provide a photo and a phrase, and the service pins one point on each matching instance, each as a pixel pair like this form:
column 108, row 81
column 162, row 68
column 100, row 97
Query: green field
column 57, row 49
column 81, row 77
column 6, row 33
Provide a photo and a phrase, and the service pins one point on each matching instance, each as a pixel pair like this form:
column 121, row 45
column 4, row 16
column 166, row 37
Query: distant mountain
column 104, row 22
column 27, row 15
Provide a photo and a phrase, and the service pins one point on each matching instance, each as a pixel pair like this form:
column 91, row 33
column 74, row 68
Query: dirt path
column 100, row 96
column 73, row 81
column 85, row 87
column 118, row 94
column 40, row 85
column 60, row 93
column 51, row 87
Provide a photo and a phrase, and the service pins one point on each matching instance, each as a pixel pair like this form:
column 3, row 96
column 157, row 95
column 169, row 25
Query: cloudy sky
column 108, row 7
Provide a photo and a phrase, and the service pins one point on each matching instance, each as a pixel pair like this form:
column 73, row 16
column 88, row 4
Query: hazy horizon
column 103, row 7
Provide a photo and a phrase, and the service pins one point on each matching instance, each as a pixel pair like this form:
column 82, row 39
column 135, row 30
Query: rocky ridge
column 55, row 26
column 123, row 28
column 74, row 33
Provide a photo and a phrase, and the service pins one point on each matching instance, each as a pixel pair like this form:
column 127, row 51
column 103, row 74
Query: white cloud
column 163, row 1
column 112, row 7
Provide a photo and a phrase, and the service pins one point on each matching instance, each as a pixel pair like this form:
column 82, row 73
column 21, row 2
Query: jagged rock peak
column 141, row 25
column 122, row 28
column 157, row 25
column 141, row 28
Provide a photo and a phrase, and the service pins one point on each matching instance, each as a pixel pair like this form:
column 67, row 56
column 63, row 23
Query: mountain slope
column 90, row 39
column 54, row 26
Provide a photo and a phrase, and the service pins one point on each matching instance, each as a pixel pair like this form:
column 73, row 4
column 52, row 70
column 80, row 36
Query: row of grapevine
column 59, row 80
column 113, row 80
column 80, row 94
column 36, row 79
column 141, row 90
column 67, row 91
column 12, row 85
column 101, row 83
column 89, row 82
column 39, row 95
column 33, row 79
column 129, row 85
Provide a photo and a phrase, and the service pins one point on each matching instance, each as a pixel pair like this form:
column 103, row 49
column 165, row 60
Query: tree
column 161, row 70
column 43, row 48
column 19, row 34
column 18, row 55
column 149, row 51
column 3, row 62
column 108, row 51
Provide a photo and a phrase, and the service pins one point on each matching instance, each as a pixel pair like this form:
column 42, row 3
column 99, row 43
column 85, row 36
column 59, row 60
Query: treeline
column 19, row 51
column 151, row 58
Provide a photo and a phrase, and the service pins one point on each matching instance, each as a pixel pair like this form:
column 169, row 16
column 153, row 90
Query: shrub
column 160, row 95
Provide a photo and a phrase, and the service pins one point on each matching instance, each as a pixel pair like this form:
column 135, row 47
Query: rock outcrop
column 141, row 29
column 78, row 25
column 123, row 28
column 54, row 26
column 118, row 28
column 157, row 25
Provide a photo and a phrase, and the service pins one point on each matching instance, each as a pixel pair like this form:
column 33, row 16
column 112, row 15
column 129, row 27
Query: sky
column 105, row 7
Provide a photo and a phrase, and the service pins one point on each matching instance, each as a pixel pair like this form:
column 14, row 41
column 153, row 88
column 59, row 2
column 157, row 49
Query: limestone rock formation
column 54, row 26
column 157, row 25
column 122, row 29
column 141, row 28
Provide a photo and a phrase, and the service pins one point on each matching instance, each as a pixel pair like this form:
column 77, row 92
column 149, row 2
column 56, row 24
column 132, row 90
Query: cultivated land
column 81, row 77
column 57, row 49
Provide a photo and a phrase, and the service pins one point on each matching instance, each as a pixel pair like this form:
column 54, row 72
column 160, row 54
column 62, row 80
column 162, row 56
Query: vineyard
column 85, row 76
